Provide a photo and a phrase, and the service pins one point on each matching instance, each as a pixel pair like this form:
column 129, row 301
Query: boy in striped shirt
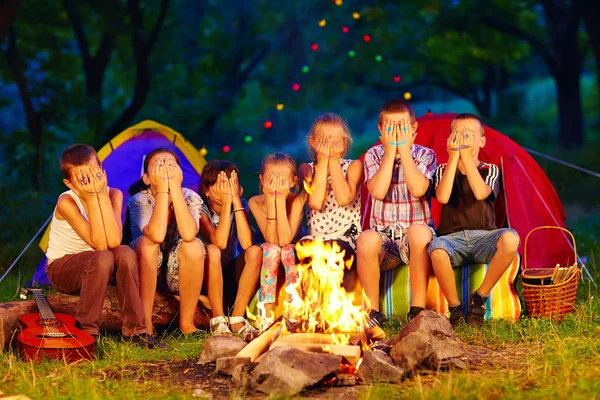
column 467, row 233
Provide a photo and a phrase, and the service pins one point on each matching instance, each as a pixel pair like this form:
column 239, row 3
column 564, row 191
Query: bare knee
column 439, row 257
column 213, row 256
column 253, row 256
column 146, row 248
column 368, row 242
column 508, row 242
column 419, row 235
column 192, row 251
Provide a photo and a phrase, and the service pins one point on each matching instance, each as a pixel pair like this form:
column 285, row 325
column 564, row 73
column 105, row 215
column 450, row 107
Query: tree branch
column 158, row 26
column 72, row 11
column 8, row 10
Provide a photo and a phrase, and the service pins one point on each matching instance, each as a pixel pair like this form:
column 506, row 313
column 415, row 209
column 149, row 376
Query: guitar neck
column 44, row 309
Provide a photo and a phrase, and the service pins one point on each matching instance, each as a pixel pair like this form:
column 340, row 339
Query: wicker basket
column 544, row 298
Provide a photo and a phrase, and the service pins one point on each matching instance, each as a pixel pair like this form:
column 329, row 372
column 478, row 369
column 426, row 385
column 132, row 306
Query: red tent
column 528, row 199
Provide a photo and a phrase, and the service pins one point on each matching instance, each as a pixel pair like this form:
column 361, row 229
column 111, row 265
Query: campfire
column 322, row 316
column 319, row 338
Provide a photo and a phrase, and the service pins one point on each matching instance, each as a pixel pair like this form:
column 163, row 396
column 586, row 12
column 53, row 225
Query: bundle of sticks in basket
column 562, row 274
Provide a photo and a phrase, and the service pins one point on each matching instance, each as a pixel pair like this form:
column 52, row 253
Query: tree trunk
column 570, row 115
column 587, row 10
column 165, row 313
column 8, row 10
column 34, row 121
column 566, row 69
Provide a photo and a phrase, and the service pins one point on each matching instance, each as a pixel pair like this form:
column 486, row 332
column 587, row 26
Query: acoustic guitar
column 52, row 336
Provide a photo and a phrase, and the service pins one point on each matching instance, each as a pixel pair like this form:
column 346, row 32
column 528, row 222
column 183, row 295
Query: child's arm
column 156, row 228
column 91, row 230
column 445, row 183
column 187, row 224
column 380, row 170
column 345, row 188
column 317, row 180
column 285, row 232
column 295, row 214
column 480, row 189
column 219, row 236
column 267, row 227
column 417, row 183
column 242, row 226
column 110, row 203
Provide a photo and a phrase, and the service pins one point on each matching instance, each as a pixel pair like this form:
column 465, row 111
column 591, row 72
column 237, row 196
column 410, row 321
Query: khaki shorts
column 394, row 249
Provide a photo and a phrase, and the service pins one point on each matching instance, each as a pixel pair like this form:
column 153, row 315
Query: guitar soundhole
column 52, row 323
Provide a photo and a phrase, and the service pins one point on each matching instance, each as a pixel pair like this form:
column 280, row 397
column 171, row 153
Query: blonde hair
column 277, row 158
column 331, row 119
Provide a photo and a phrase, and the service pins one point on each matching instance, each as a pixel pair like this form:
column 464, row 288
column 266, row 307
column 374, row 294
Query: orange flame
column 318, row 298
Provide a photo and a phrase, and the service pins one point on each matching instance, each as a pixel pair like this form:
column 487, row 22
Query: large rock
column 287, row 370
column 425, row 341
column 219, row 347
column 377, row 366
column 415, row 350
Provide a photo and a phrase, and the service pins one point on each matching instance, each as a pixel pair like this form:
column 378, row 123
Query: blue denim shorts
column 469, row 247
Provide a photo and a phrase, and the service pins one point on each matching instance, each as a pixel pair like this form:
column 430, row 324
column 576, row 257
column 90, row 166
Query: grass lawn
column 528, row 359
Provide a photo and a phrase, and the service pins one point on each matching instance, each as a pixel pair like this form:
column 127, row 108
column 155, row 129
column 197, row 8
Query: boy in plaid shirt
column 398, row 175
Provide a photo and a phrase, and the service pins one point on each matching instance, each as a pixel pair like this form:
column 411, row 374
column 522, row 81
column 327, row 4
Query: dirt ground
column 203, row 383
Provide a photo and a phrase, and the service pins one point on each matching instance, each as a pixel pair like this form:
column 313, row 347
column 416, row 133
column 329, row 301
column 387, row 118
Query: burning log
column 350, row 353
column 256, row 347
column 353, row 338
column 165, row 311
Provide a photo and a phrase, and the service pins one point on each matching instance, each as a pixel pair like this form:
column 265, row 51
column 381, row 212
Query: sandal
column 219, row 326
column 247, row 332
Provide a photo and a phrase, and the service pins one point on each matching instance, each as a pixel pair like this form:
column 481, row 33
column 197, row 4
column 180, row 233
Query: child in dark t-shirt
column 467, row 233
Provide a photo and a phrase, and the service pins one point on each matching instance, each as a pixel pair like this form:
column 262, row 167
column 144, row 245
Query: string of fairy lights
column 305, row 69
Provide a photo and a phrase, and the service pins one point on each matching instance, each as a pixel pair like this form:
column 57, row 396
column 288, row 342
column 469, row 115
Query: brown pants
column 89, row 273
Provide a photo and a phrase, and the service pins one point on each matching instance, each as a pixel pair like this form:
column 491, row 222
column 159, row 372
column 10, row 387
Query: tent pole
column 26, row 247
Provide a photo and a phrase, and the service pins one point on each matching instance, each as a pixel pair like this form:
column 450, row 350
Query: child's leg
column 268, row 277
column 445, row 253
column 505, row 244
column 128, row 291
column 419, row 236
column 248, row 282
column 191, row 271
column 368, row 247
column 87, row 273
column 148, row 255
column 288, row 258
column 214, row 280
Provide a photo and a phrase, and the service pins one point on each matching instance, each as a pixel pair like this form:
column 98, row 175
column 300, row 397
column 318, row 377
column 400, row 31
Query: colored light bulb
column 378, row 58
column 226, row 149
column 322, row 23
column 351, row 53
column 367, row 38
column 279, row 106
column 397, row 78
column 355, row 15
column 295, row 87
column 407, row 96
column 203, row 151
column 345, row 29
column 305, row 69
column 268, row 124
column 248, row 139
column 314, row 47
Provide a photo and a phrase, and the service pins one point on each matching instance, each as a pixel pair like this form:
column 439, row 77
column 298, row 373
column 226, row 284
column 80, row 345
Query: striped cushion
column 503, row 302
